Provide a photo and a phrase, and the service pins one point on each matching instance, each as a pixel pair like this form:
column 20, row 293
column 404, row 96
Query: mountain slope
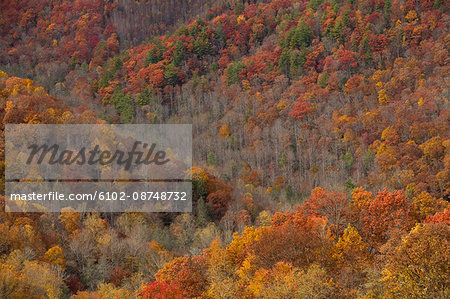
column 321, row 147
column 309, row 93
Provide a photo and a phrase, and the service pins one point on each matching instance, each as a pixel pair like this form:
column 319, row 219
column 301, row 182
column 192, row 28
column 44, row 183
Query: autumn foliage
column 321, row 146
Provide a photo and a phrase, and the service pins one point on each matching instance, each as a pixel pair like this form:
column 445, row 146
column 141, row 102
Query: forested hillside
column 321, row 146
column 135, row 21
column 45, row 40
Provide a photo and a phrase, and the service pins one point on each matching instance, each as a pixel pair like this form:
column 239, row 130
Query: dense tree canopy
column 321, row 146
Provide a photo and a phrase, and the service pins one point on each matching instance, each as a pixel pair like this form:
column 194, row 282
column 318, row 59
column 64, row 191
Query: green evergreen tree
column 155, row 55
column 171, row 74
column 314, row 4
column 297, row 60
column 145, row 97
column 178, row 55
column 214, row 67
column 182, row 30
column 105, row 78
column 123, row 105
column 283, row 63
column 301, row 37
column 116, row 64
column 323, row 80
column 349, row 186
column 211, row 159
column 202, row 45
column 202, row 213
column 239, row 8
column 283, row 160
column 348, row 161
column 232, row 72
column 219, row 36
column 437, row 4
column 387, row 8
